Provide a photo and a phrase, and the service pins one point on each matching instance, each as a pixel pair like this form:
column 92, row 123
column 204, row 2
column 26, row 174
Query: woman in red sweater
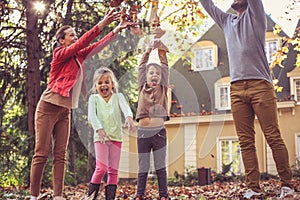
column 52, row 117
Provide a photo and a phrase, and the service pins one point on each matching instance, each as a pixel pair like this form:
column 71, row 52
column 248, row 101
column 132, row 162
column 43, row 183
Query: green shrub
column 190, row 178
column 265, row 176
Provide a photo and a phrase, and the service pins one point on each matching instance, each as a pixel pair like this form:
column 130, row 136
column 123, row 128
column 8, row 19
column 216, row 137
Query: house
column 201, row 131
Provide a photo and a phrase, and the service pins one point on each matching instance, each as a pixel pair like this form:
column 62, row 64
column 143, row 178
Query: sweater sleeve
column 92, row 114
column 165, row 68
column 124, row 106
column 142, row 69
column 215, row 13
column 256, row 10
column 82, row 42
column 98, row 46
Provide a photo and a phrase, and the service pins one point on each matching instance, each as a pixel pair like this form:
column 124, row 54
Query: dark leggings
column 152, row 139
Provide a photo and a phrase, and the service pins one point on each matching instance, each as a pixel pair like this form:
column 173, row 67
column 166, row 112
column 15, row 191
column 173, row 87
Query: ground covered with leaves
column 126, row 191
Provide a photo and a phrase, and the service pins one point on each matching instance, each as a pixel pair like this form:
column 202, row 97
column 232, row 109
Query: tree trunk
column 91, row 157
column 33, row 72
column 68, row 18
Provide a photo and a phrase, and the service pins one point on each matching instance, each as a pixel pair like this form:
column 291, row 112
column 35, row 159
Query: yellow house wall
column 289, row 126
column 133, row 156
column 206, row 142
column 209, row 159
column 176, row 152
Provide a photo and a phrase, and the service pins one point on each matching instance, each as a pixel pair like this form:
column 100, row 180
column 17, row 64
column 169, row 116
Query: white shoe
column 285, row 191
column 250, row 193
column 33, row 198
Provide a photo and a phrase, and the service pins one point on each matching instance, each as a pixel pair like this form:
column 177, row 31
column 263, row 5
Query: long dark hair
column 60, row 34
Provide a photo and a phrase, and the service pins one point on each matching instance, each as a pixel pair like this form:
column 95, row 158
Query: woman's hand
column 109, row 17
column 102, row 135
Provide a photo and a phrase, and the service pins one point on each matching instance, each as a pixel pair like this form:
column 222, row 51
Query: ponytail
column 55, row 45
column 60, row 34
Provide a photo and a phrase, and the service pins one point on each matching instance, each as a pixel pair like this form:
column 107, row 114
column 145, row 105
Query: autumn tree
column 289, row 44
column 26, row 36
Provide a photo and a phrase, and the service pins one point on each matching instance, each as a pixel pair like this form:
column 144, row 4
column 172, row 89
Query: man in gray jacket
column 251, row 88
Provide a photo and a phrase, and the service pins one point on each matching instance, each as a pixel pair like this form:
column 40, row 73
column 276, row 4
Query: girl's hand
column 129, row 124
column 136, row 31
column 102, row 135
column 158, row 32
column 160, row 46
column 109, row 17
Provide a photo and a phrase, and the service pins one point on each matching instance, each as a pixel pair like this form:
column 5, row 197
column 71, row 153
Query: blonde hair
column 100, row 72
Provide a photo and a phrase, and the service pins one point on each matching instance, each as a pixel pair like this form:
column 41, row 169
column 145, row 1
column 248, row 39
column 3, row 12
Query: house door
column 271, row 167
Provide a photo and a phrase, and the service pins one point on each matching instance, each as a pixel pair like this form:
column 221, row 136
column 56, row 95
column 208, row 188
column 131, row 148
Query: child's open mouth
column 104, row 91
column 154, row 81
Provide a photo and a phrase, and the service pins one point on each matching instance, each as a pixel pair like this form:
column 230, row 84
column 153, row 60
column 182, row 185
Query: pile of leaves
column 126, row 191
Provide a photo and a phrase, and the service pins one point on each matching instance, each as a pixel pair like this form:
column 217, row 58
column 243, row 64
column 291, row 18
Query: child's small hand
column 136, row 31
column 115, row 3
column 129, row 124
column 124, row 24
column 102, row 135
column 160, row 46
column 158, row 32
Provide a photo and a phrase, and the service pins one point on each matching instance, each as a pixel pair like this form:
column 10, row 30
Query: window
column 204, row 59
column 294, row 76
column 224, row 97
column 271, row 166
column 270, row 48
column 297, row 89
column 230, row 154
column 205, row 56
column 297, row 145
column 222, row 94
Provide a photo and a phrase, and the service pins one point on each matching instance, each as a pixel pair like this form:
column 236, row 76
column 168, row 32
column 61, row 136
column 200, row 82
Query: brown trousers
column 257, row 97
column 52, row 123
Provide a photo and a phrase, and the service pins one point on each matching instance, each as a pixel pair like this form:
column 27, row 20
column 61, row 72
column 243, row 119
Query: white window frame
column 218, row 96
column 297, row 94
column 270, row 162
column 219, row 84
column 297, row 146
column 269, row 53
column 293, row 87
column 204, row 46
column 219, row 153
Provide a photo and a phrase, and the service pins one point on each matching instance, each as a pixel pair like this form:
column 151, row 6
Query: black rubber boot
column 94, row 189
column 110, row 192
column 139, row 197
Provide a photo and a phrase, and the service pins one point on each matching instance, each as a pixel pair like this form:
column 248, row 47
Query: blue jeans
column 257, row 97
column 152, row 139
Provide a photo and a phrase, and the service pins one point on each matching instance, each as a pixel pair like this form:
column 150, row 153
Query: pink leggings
column 107, row 160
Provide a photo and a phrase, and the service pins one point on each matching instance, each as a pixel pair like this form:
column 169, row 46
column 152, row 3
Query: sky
column 276, row 9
